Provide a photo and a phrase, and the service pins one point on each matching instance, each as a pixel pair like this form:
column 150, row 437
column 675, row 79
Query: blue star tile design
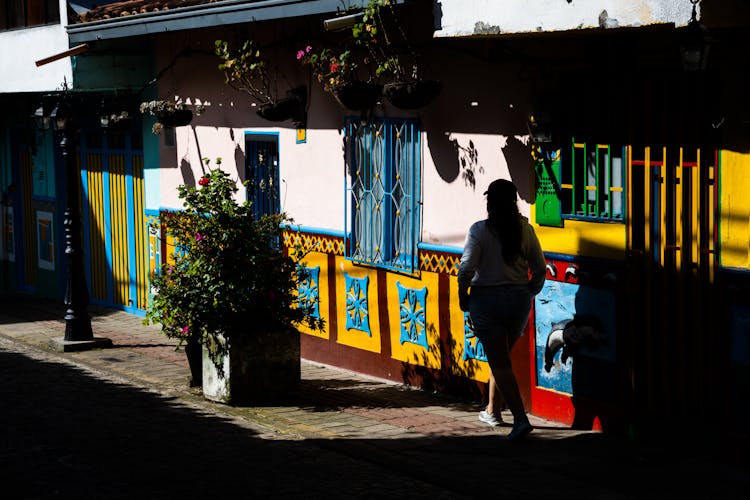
column 357, row 314
column 307, row 288
column 473, row 348
column 412, row 315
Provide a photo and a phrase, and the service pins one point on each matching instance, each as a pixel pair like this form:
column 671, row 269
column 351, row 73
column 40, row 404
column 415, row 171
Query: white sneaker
column 488, row 418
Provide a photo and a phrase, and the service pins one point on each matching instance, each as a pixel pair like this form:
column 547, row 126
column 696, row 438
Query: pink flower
column 198, row 236
column 300, row 54
column 185, row 330
column 308, row 49
column 204, row 181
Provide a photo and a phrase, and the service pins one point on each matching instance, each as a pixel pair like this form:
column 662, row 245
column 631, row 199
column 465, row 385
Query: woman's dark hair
column 504, row 217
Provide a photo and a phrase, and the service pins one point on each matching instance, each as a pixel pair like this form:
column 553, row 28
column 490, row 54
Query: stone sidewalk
column 432, row 443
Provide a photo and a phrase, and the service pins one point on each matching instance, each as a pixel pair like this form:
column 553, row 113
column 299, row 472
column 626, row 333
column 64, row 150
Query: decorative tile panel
column 412, row 314
column 439, row 262
column 307, row 288
column 473, row 348
column 357, row 315
column 314, row 242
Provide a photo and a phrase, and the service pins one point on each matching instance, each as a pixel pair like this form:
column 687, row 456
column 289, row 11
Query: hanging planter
column 289, row 108
column 169, row 113
column 358, row 96
column 412, row 95
column 278, row 111
column 175, row 118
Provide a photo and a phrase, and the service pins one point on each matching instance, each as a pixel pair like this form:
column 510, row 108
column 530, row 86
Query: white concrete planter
column 260, row 367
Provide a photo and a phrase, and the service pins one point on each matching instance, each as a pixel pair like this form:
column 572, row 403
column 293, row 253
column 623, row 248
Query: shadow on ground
column 68, row 433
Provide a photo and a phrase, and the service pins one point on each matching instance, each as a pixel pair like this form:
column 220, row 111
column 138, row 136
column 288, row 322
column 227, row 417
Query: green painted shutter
column 547, row 170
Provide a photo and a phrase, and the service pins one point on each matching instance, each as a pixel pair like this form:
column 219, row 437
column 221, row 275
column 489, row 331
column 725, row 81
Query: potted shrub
column 233, row 289
column 169, row 113
column 337, row 72
column 246, row 70
column 395, row 60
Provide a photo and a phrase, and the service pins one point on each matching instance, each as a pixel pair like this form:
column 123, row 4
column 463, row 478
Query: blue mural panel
column 575, row 339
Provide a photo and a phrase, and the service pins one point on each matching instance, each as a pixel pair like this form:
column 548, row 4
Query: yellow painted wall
column 590, row 239
column 734, row 207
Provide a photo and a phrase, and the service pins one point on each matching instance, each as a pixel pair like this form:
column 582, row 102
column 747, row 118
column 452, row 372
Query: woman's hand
column 463, row 300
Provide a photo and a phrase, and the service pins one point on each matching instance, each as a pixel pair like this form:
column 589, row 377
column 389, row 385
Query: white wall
column 23, row 47
column 470, row 17
column 312, row 180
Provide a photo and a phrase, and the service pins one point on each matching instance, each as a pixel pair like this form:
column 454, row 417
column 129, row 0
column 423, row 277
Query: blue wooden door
column 262, row 170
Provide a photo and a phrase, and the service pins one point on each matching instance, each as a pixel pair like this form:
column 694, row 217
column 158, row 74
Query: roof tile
column 134, row 7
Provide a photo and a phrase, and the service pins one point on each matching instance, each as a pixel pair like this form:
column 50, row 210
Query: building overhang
column 206, row 15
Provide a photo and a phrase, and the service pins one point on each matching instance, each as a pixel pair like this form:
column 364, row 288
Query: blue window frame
column 382, row 196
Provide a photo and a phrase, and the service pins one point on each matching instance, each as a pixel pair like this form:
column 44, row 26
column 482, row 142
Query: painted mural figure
column 570, row 335
column 494, row 286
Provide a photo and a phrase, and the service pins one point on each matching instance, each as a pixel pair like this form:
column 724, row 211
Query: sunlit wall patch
column 307, row 288
column 357, row 315
column 412, row 315
column 473, row 348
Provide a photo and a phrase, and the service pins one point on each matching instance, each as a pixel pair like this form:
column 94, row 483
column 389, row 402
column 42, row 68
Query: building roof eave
column 202, row 16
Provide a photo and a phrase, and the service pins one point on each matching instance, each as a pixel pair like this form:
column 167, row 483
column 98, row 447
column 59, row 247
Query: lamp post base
column 62, row 345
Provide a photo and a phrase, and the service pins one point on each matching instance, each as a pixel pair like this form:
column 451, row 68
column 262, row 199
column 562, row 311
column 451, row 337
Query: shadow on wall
column 187, row 173
column 239, row 161
column 444, row 152
column 518, row 158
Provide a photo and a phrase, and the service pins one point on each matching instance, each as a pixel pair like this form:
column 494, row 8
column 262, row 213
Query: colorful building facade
column 632, row 171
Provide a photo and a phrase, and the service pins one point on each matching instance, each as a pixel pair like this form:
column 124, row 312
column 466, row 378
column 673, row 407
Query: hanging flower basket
column 119, row 122
column 291, row 107
column 358, row 96
column 283, row 109
column 412, row 95
column 175, row 118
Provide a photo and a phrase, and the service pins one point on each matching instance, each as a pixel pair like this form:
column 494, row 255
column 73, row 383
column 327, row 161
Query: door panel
column 262, row 170
column 114, row 222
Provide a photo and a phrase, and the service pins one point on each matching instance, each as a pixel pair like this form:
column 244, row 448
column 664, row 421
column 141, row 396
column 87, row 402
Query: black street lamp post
column 77, row 320
column 78, row 333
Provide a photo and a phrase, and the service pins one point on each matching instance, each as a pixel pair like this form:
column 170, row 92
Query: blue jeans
column 499, row 314
column 499, row 311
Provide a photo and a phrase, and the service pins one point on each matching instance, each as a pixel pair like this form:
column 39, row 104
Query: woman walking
column 502, row 269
